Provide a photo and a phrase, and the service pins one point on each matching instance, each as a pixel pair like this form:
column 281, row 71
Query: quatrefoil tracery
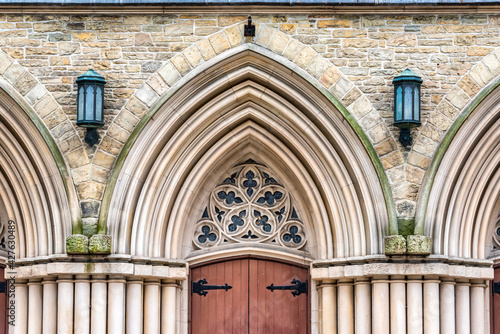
column 250, row 205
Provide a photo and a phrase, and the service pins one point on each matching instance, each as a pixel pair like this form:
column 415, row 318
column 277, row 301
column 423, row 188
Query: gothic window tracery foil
column 250, row 205
column 496, row 235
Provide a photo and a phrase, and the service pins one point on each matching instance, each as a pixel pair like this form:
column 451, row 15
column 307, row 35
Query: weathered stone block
column 457, row 98
column 35, row 94
column 419, row 245
column 104, row 160
column 169, row 74
column 5, row 62
column 158, row 84
column 206, row 50
column 264, row 36
column 137, row 19
column 68, row 48
column 47, row 26
column 181, row 64
column 334, row 24
column 331, row 75
column 90, row 190
column 288, row 28
column 77, row 244
column 59, row 37
column 25, row 83
column 100, row 244
column 219, row 42
column 394, row 245
column 193, row 56
column 77, row 158
column 89, row 226
column 318, row 66
column 227, row 20
column 147, row 95
column 292, row 49
column 90, row 209
column 304, row 57
column 179, row 29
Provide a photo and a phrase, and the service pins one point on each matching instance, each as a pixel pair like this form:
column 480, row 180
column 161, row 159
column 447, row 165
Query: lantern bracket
column 249, row 30
column 91, row 137
column 405, row 136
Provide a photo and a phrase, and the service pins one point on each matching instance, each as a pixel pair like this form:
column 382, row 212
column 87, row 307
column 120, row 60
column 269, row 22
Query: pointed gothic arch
column 36, row 190
column 247, row 103
column 460, row 201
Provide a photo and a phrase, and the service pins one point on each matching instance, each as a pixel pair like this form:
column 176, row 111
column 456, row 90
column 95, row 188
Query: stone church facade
column 250, row 184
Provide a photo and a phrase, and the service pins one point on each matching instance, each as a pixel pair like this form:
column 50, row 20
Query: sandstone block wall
column 355, row 57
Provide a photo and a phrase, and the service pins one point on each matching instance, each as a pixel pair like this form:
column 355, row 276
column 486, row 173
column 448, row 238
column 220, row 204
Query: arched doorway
column 267, row 117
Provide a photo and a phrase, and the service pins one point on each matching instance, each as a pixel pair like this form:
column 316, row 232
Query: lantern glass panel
column 408, row 103
column 399, row 104
column 81, row 104
column 416, row 104
column 89, row 104
column 98, row 104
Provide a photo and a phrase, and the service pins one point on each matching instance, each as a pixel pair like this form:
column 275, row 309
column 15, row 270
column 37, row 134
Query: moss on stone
column 394, row 245
column 100, row 244
column 406, row 226
column 89, row 226
column 419, row 245
column 77, row 244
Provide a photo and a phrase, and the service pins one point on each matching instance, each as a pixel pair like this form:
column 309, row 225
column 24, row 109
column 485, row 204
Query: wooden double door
column 249, row 306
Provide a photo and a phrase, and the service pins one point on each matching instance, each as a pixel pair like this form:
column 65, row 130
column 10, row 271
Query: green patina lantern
column 406, row 104
column 90, row 104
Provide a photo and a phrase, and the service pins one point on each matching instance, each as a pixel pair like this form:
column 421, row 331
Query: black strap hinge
column 496, row 287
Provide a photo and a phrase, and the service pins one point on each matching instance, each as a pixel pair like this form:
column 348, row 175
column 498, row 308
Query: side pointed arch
column 147, row 202
column 460, row 202
column 36, row 189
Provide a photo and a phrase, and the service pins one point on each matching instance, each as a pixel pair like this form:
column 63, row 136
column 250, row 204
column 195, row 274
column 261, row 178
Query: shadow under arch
column 145, row 185
column 35, row 186
column 460, row 198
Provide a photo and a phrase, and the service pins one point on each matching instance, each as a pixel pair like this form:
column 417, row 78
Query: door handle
column 200, row 287
column 297, row 288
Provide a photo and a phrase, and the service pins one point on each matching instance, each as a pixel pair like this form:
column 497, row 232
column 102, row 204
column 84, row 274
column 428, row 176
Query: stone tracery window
column 250, row 205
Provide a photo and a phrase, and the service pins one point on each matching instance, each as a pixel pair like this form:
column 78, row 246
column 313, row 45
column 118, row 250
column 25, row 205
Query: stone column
column 65, row 305
column 329, row 308
column 98, row 310
column 21, row 315
column 134, row 307
column 447, row 306
column 34, row 307
column 380, row 305
column 363, row 306
column 168, row 307
column 415, row 304
column 462, row 323
column 49, row 306
column 82, row 304
column 477, row 307
column 152, row 307
column 116, row 305
column 346, row 307
column 398, row 304
column 431, row 306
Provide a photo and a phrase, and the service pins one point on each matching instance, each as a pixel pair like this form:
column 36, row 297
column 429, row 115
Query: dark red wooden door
column 495, row 305
column 249, row 307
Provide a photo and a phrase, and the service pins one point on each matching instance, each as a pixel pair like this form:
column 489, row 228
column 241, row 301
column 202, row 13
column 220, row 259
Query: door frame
column 252, row 257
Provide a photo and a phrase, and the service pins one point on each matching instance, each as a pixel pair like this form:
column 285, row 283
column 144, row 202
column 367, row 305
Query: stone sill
column 402, row 269
column 122, row 269
column 410, row 259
